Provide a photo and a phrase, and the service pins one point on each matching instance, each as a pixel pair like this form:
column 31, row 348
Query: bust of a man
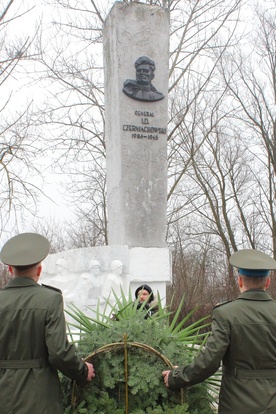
column 141, row 89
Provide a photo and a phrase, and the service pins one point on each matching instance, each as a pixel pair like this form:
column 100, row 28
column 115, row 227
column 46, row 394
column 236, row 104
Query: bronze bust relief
column 141, row 89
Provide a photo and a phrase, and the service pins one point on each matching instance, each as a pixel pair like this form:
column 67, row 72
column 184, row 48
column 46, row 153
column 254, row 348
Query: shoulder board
column 221, row 303
column 51, row 287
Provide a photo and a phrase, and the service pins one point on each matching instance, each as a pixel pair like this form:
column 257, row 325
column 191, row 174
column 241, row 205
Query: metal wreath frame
column 125, row 345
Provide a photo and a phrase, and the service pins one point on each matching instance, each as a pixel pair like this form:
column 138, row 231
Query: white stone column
column 136, row 65
column 136, row 124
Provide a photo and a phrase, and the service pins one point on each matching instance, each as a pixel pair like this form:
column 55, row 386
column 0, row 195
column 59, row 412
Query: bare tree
column 4, row 275
column 75, row 108
column 19, row 146
column 250, row 79
column 227, row 191
column 221, row 143
column 71, row 70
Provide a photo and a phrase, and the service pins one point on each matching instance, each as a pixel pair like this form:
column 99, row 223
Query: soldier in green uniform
column 243, row 337
column 33, row 341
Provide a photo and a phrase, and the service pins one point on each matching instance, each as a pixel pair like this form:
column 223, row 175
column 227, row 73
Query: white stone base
column 120, row 267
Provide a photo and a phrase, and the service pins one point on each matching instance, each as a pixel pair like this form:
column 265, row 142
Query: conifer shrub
column 129, row 353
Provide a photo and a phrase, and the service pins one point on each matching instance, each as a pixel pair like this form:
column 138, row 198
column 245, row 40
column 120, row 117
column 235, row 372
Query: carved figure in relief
column 88, row 289
column 64, row 279
column 95, row 281
column 113, row 282
column 60, row 280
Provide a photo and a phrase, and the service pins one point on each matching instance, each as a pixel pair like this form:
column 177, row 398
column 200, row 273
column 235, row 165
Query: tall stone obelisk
column 136, row 63
column 136, row 66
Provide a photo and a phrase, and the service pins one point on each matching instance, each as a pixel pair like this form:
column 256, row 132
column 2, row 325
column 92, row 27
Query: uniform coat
column 243, row 337
column 33, row 346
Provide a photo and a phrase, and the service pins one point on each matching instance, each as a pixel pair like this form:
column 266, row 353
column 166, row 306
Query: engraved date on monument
column 142, row 136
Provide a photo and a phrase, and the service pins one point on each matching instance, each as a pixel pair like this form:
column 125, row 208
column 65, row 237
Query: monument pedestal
column 136, row 59
column 83, row 288
column 136, row 66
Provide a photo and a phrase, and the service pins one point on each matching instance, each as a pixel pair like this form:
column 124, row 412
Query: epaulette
column 221, row 303
column 52, row 287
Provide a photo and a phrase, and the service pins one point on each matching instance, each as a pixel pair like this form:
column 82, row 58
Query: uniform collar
column 20, row 282
column 255, row 294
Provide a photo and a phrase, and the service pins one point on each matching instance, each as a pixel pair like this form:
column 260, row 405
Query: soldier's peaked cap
column 25, row 249
column 252, row 262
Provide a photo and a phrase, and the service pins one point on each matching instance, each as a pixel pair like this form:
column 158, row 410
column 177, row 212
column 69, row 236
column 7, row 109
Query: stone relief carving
column 90, row 287
column 87, row 276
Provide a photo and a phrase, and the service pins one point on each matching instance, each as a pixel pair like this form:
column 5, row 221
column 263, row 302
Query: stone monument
column 136, row 69
column 136, row 45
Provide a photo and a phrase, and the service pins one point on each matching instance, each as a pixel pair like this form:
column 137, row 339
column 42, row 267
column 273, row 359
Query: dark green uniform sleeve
column 62, row 354
column 208, row 360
